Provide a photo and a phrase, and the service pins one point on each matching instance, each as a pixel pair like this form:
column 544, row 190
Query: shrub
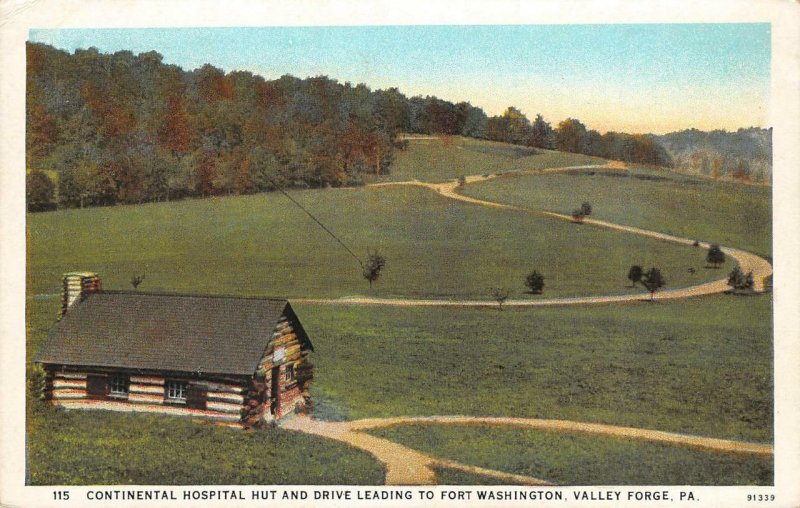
column 715, row 256
column 36, row 382
column 635, row 274
column 739, row 281
column 535, row 281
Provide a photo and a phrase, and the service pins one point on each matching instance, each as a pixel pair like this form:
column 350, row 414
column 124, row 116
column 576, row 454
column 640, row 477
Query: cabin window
column 175, row 391
column 119, row 385
column 288, row 374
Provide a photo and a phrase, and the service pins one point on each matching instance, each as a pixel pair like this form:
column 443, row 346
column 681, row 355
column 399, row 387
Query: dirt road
column 405, row 466
column 747, row 261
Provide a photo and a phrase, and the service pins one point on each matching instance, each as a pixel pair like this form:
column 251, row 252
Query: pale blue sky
column 635, row 78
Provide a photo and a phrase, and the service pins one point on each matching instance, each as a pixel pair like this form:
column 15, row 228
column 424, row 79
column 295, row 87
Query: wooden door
column 96, row 386
column 275, row 392
column 196, row 396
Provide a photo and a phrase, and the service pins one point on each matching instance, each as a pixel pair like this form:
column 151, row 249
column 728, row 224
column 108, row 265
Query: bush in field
column 535, row 282
column 577, row 216
column 586, row 208
column 462, row 181
column 740, row 281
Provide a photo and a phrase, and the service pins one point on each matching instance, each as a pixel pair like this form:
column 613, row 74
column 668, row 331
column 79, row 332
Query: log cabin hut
column 232, row 360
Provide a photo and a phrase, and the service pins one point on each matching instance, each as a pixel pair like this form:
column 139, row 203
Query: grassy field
column 264, row 245
column 578, row 460
column 436, row 160
column 102, row 448
column 719, row 212
column 701, row 366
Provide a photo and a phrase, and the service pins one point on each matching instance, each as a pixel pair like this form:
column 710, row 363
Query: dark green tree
column 69, row 190
column 542, row 134
column 571, row 136
column 635, row 274
column 586, row 208
column 373, row 266
column 715, row 256
column 39, row 192
column 740, row 281
column 535, row 282
column 653, row 281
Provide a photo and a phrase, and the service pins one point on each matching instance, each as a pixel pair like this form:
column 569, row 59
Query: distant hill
column 744, row 155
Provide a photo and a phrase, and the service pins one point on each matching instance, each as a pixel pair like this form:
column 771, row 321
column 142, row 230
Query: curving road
column 747, row 261
column 406, row 466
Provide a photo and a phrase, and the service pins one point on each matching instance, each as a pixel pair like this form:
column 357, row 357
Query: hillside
column 744, row 155
column 699, row 366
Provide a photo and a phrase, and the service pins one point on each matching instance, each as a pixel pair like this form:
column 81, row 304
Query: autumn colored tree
column 174, row 133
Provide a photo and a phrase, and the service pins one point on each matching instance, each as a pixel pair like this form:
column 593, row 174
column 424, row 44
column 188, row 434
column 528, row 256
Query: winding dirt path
column 406, row 466
column 747, row 261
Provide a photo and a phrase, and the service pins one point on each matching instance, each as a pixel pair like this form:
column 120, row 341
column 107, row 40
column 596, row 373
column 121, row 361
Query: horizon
column 643, row 79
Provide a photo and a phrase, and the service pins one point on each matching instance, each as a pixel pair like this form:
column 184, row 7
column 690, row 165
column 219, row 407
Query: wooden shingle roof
column 185, row 333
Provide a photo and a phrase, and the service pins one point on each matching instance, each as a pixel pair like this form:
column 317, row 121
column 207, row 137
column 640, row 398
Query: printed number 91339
column 761, row 497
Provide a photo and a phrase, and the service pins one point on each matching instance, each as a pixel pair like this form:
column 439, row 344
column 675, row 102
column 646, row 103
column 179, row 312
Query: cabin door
column 275, row 392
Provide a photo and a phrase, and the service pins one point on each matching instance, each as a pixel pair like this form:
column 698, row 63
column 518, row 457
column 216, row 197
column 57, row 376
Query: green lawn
column 718, row 212
column 264, row 245
column 103, row 448
column 700, row 366
column 440, row 159
column 578, row 460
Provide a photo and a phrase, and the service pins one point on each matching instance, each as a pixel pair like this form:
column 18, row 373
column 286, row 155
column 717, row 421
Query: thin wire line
column 283, row 191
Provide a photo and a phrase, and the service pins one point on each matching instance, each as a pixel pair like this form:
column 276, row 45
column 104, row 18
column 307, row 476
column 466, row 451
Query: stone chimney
column 77, row 285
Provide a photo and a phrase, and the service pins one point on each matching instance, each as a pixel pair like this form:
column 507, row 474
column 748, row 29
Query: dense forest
column 125, row 128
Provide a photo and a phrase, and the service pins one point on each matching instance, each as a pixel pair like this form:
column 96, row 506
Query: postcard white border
column 17, row 17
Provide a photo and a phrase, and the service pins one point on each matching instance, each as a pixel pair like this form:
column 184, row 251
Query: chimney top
column 77, row 285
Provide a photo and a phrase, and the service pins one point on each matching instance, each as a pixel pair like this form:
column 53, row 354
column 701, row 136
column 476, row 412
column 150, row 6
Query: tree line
column 125, row 128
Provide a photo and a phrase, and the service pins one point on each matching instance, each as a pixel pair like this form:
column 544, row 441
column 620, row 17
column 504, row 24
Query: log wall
column 224, row 400
column 284, row 350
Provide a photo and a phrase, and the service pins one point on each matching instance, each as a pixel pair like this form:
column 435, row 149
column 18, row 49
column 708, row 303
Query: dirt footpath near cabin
column 406, row 466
